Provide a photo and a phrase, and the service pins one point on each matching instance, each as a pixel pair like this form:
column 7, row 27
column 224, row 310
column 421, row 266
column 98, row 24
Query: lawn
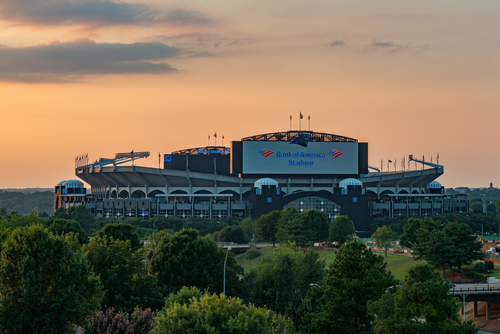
column 397, row 264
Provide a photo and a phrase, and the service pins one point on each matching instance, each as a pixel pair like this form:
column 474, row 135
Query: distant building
column 259, row 174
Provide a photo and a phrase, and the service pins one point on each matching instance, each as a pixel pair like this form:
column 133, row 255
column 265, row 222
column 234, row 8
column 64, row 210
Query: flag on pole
column 215, row 135
column 301, row 115
column 290, row 117
column 222, row 136
column 309, row 117
column 390, row 160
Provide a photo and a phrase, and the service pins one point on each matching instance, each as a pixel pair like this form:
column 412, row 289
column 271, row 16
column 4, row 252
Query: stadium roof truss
column 290, row 135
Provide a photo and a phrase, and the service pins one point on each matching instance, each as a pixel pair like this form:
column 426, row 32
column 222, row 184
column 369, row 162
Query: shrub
column 113, row 322
column 480, row 267
column 252, row 254
column 489, row 265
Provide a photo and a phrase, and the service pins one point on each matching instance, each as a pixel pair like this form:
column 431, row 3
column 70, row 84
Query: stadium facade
column 256, row 175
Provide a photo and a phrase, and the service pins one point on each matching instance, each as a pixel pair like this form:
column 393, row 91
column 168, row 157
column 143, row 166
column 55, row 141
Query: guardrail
column 485, row 288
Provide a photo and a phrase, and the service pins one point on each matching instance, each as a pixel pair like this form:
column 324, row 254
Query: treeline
column 477, row 221
column 25, row 202
column 53, row 280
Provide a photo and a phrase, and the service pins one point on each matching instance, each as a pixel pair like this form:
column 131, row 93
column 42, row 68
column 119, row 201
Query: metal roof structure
column 290, row 135
column 222, row 150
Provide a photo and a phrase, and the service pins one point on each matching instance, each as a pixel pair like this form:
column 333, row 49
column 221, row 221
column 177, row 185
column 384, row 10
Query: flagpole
column 208, row 143
column 290, row 122
column 309, row 121
column 300, row 121
column 222, row 140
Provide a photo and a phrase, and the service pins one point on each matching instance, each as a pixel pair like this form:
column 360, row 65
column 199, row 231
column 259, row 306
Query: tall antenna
column 437, row 159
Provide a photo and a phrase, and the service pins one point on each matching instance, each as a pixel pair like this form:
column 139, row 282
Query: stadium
column 258, row 174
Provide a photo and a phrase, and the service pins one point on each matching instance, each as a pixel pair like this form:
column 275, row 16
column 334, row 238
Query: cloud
column 93, row 13
column 389, row 45
column 424, row 48
column 337, row 43
column 73, row 61
column 185, row 17
column 380, row 44
column 202, row 54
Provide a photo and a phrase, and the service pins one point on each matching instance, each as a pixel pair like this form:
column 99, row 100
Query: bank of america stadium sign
column 323, row 158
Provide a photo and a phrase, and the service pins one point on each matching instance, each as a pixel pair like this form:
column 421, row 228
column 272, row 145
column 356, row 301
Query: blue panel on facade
column 354, row 199
column 258, row 191
column 168, row 157
column 269, row 200
column 344, row 191
column 278, row 191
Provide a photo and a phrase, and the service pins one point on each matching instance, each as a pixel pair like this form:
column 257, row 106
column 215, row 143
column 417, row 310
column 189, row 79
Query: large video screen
column 268, row 157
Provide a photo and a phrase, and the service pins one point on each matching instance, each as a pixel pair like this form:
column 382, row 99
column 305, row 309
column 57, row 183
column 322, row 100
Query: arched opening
column 402, row 192
column 178, row 192
column 123, row 194
column 371, row 195
column 234, row 193
column 415, row 192
column 113, row 194
column 203, row 192
column 155, row 192
column 138, row 194
column 385, row 193
column 302, row 204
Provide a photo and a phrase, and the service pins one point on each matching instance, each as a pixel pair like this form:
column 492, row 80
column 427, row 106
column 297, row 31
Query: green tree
column 121, row 232
column 342, row 230
column 463, row 243
column 186, row 259
column 267, row 226
column 409, row 237
column 64, row 226
column 454, row 245
column 233, row 233
column 384, row 236
column 290, row 227
column 123, row 275
column 355, row 277
column 218, row 314
column 83, row 216
column 184, row 296
column 285, row 276
column 249, row 227
column 315, row 224
column 422, row 305
column 476, row 205
column 45, row 285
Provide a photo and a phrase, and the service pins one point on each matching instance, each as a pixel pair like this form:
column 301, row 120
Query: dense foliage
column 422, row 305
column 384, row 236
column 186, row 259
column 212, row 313
column 355, row 277
column 341, row 230
column 118, row 322
column 451, row 245
column 23, row 202
column 45, row 285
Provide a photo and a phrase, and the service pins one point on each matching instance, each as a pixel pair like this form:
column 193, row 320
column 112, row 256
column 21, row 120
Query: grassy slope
column 397, row 264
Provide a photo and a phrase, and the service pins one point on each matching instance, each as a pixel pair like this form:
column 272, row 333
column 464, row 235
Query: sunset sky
column 100, row 76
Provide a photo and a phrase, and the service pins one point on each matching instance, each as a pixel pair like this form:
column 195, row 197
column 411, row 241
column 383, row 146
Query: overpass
column 484, row 292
